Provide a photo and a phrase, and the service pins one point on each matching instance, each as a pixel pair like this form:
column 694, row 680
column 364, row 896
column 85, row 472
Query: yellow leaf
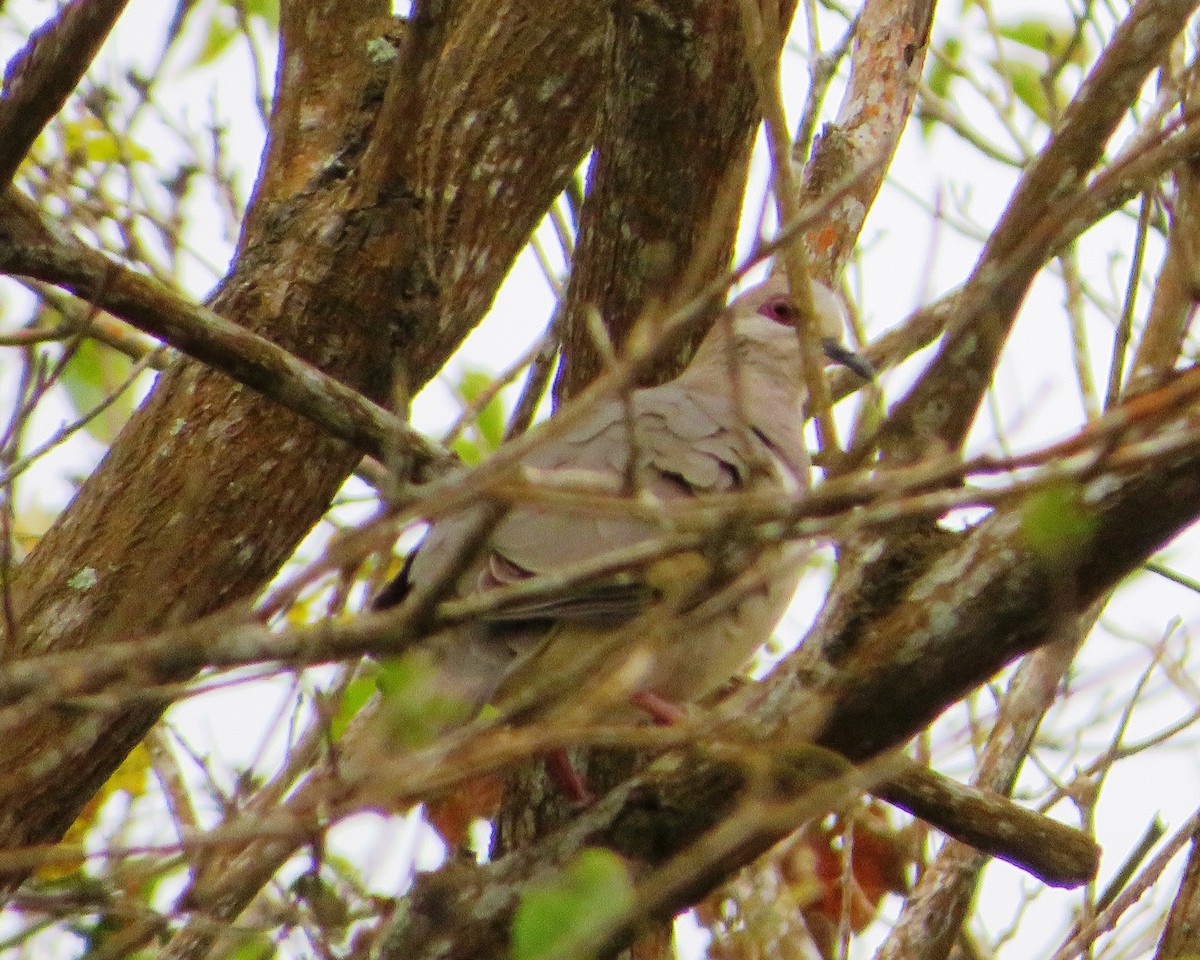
column 132, row 777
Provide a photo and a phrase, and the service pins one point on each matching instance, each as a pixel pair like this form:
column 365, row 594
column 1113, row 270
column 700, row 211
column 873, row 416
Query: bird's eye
column 779, row 309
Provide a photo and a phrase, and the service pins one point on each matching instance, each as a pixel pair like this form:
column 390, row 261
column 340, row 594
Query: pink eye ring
column 779, row 309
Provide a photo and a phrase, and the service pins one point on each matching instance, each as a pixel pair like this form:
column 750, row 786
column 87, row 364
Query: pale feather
column 696, row 435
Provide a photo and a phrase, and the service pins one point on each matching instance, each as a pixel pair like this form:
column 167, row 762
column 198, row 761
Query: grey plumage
column 731, row 421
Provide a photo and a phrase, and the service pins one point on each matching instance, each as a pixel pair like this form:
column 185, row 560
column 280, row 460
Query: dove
column 731, row 421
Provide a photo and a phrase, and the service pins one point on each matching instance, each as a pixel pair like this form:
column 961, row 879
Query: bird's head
column 773, row 301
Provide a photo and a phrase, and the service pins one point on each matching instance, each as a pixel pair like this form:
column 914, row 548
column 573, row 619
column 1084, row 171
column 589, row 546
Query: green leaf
column 1039, row 35
column 1049, row 38
column 942, row 69
column 87, row 138
column 490, row 423
column 563, row 916
column 265, row 10
column 467, row 450
column 417, row 702
column 221, row 23
column 1027, row 84
column 252, row 945
column 331, row 912
column 1057, row 524
column 92, row 374
column 487, row 429
column 220, row 35
column 358, row 692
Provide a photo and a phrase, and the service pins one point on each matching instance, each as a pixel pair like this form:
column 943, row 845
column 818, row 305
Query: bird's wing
column 683, row 444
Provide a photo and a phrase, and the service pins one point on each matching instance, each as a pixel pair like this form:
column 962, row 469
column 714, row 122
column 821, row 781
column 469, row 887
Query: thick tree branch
column 942, row 405
column 510, row 109
column 931, row 921
column 31, row 246
column 1047, row 210
column 210, row 487
column 1181, row 932
column 984, row 602
column 890, row 42
column 648, row 237
column 38, row 80
column 1175, row 287
column 982, row 823
column 855, row 504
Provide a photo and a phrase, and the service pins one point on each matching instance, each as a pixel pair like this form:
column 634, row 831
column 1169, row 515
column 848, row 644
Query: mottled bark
column 667, row 178
column 210, row 487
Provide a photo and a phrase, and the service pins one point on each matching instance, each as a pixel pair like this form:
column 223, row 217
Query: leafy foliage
column 563, row 916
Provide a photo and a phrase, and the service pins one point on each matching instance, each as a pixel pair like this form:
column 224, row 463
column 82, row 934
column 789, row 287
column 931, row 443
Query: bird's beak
column 836, row 351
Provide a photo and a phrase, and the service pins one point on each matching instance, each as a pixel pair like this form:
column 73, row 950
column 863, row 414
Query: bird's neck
column 762, row 376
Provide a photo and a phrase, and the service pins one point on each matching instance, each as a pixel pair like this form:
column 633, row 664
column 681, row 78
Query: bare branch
column 942, row 405
column 31, row 246
column 38, row 80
